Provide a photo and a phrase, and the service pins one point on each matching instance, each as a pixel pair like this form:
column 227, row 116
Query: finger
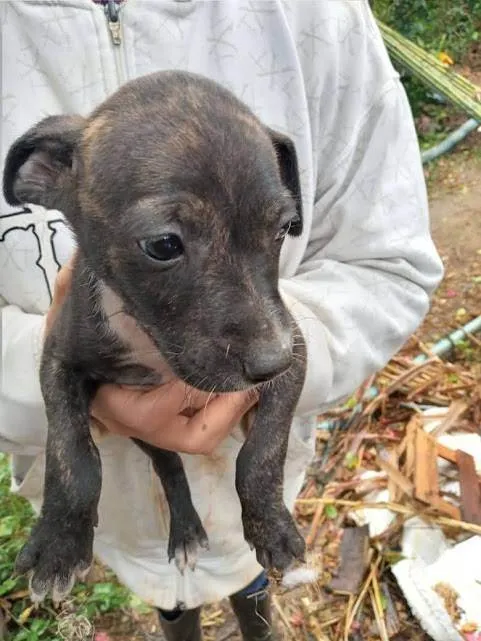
column 114, row 427
column 195, row 400
column 145, row 411
column 63, row 280
column 159, row 417
column 173, row 436
column 198, row 435
column 60, row 289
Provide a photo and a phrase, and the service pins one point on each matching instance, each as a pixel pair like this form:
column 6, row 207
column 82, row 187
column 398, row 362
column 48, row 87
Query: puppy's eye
column 164, row 248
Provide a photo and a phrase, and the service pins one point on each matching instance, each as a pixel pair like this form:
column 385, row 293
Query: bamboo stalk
column 282, row 616
column 367, row 584
column 398, row 509
column 378, row 612
column 425, row 66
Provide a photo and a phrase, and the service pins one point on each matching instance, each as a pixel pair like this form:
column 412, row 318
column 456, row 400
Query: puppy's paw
column 187, row 538
column 275, row 537
column 55, row 556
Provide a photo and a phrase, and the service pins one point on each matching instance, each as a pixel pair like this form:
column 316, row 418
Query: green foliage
column 26, row 623
column 437, row 26
column 330, row 511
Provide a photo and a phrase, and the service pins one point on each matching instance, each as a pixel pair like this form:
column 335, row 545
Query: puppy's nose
column 268, row 360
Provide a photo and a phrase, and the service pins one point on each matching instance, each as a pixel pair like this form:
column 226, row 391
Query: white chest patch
column 142, row 349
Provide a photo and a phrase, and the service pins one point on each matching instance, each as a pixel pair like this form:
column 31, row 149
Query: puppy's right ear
column 38, row 167
column 289, row 170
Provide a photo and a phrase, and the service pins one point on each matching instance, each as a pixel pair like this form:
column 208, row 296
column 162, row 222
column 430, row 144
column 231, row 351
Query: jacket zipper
column 112, row 9
column 112, row 12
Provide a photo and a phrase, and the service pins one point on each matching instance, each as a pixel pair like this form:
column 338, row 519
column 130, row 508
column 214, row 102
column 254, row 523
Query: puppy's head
column 180, row 200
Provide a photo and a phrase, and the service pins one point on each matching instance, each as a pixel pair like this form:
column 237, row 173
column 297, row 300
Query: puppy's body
column 180, row 199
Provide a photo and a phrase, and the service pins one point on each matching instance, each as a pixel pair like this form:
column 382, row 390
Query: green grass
column 45, row 623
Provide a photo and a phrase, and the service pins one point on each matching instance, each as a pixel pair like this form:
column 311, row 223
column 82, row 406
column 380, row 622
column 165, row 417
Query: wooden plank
column 392, row 486
column 455, row 411
column 447, row 454
column 470, row 489
column 447, row 508
column 411, row 429
column 426, row 470
column 354, row 553
column 396, row 480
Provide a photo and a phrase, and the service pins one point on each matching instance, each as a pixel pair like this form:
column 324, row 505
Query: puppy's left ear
column 38, row 167
column 289, row 170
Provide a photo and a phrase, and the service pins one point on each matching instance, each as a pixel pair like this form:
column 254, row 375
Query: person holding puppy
column 358, row 280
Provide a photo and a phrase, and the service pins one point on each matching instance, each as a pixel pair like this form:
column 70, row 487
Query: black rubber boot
column 253, row 612
column 182, row 625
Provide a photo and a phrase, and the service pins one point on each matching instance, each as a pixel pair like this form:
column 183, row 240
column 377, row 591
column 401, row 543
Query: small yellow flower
column 445, row 58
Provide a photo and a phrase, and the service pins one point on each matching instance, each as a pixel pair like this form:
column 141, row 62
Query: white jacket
column 358, row 280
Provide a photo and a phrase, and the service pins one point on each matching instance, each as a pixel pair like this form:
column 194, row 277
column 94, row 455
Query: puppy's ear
column 38, row 167
column 288, row 167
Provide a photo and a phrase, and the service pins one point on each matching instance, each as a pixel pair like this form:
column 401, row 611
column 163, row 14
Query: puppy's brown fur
column 180, row 199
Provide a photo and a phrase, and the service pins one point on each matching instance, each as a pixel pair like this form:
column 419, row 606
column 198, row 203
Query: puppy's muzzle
column 268, row 359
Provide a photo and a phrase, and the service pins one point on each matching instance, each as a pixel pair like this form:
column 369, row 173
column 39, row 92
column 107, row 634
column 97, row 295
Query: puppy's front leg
column 268, row 524
column 186, row 532
column 60, row 546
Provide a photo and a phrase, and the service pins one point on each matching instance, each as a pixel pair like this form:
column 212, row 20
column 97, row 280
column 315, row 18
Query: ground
column 455, row 200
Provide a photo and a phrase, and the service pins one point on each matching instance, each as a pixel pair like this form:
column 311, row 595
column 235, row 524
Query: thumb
column 60, row 290
column 63, row 281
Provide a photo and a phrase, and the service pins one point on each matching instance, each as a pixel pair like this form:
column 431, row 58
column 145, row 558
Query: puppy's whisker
column 196, row 383
column 211, row 394
column 225, row 382
column 117, row 313
column 299, row 358
column 187, row 396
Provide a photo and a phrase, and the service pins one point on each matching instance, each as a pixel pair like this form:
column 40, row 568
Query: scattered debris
column 391, row 505
column 450, row 597
column 75, row 628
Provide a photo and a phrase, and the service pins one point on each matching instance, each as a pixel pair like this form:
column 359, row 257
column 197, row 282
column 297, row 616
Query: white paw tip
column 37, row 597
column 299, row 576
column 82, row 571
column 180, row 560
column 186, row 556
column 62, row 588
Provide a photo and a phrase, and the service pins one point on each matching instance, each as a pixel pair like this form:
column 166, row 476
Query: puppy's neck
column 140, row 347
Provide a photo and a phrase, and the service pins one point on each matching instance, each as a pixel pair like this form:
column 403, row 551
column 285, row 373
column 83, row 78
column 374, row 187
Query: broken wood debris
column 354, row 555
column 356, row 596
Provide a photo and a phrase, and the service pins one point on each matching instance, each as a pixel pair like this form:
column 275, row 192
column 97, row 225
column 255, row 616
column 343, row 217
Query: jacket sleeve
column 23, row 424
column 370, row 268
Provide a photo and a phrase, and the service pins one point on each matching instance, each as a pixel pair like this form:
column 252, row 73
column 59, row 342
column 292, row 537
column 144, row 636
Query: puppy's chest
column 137, row 361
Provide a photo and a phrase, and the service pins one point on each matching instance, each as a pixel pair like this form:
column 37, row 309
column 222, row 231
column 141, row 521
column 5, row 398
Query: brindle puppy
column 179, row 198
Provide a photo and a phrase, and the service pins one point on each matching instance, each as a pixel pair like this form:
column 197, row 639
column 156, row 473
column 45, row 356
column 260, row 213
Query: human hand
column 60, row 290
column 173, row 416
